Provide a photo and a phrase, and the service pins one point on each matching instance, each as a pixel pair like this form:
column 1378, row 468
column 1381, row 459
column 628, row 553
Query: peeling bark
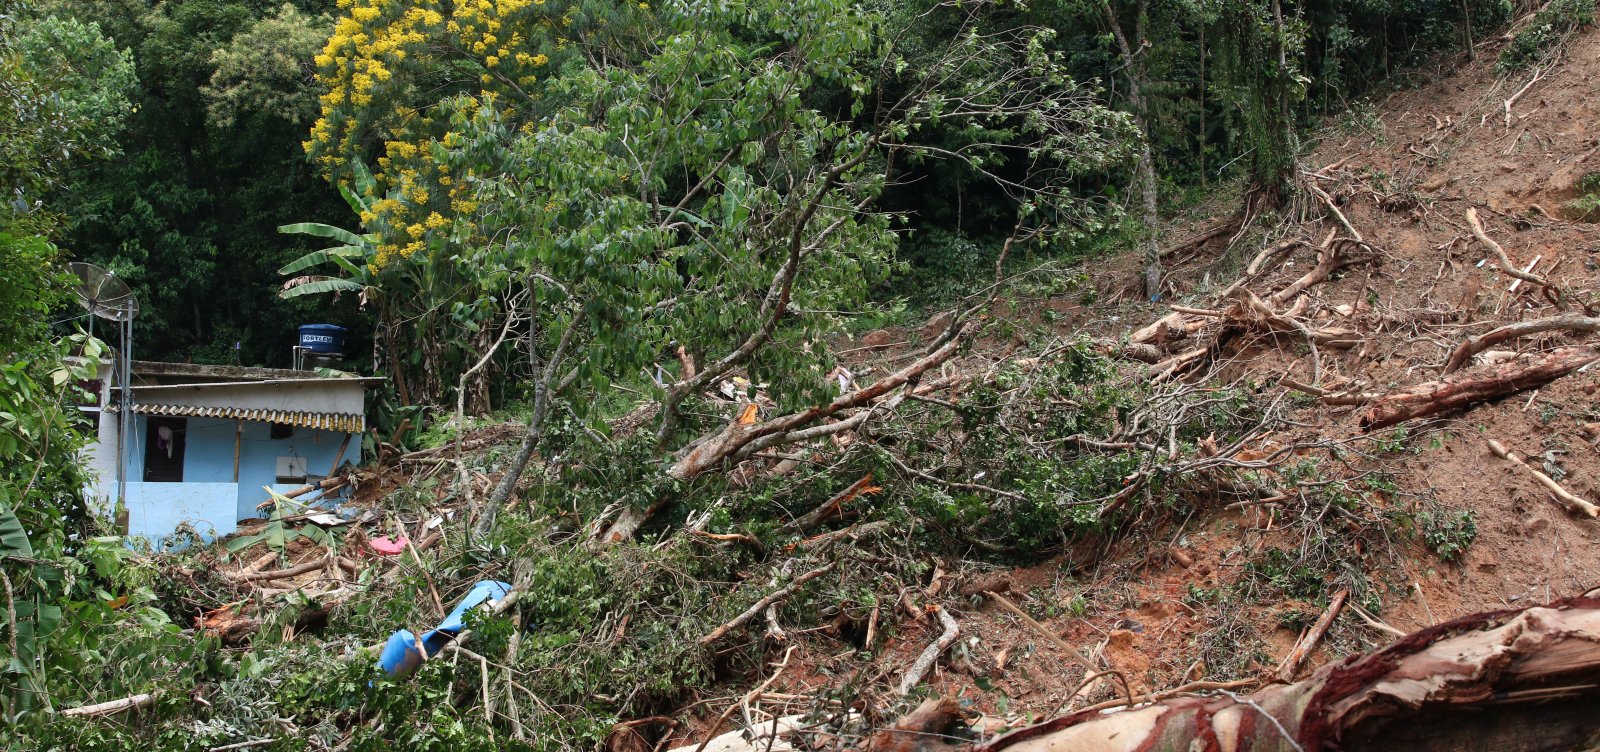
column 1521, row 680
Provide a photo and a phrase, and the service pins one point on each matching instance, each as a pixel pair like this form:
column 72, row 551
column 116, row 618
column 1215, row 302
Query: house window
column 280, row 431
column 164, row 442
column 291, row 470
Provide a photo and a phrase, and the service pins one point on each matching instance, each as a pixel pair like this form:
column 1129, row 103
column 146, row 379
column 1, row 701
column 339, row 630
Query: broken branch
column 761, row 605
column 276, row 574
column 1506, row 264
column 1474, row 345
column 1049, row 636
column 1302, row 650
column 831, row 507
column 914, row 675
column 1333, row 259
column 1549, row 483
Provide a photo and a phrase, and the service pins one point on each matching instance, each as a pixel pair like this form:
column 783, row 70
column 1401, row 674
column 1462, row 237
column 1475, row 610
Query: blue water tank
column 327, row 339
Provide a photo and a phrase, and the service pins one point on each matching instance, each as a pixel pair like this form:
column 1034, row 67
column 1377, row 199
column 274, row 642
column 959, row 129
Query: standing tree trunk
column 1201, row 141
column 1146, row 168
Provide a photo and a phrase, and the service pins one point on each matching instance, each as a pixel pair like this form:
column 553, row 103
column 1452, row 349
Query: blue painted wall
column 208, row 497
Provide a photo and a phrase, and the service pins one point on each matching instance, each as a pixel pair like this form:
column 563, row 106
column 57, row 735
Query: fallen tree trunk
column 739, row 440
column 1472, row 387
column 1521, row 680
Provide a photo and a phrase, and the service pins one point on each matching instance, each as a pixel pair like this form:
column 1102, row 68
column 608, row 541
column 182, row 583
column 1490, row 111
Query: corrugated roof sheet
column 341, row 422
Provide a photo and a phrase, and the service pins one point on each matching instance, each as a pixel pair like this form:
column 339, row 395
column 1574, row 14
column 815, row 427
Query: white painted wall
column 315, row 396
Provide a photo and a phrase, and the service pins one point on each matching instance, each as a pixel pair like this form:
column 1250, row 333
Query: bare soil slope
column 1165, row 607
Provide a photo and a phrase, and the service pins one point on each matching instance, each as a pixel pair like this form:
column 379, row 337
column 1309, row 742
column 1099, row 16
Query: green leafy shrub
column 1586, row 207
column 1548, row 27
column 1448, row 533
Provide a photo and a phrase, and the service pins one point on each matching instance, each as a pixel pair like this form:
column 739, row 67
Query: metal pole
column 125, row 415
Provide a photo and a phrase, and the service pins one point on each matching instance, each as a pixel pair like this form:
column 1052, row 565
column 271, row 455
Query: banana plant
column 279, row 532
column 353, row 257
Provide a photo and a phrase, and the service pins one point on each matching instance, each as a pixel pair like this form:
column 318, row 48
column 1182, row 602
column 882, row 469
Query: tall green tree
column 64, row 90
column 686, row 175
column 210, row 165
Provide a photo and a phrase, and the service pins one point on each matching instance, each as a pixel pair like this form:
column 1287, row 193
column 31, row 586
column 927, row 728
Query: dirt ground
column 1404, row 177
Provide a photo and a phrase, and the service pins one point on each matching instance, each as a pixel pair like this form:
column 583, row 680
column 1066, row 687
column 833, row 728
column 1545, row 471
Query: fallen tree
column 1472, row 387
column 1524, row 680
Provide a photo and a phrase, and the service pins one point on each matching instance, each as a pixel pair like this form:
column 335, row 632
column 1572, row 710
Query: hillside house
column 206, row 439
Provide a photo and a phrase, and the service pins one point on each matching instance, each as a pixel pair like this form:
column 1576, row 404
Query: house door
column 164, row 440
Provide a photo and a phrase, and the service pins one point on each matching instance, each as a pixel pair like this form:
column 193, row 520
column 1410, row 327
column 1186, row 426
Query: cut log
column 1521, row 680
column 1472, row 387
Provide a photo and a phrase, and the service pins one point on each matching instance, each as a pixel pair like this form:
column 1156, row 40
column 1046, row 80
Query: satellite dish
column 105, row 296
column 102, row 293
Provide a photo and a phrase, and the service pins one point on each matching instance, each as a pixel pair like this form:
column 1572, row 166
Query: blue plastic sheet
column 404, row 651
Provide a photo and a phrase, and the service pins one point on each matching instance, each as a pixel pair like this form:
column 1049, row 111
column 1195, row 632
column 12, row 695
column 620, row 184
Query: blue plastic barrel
column 327, row 339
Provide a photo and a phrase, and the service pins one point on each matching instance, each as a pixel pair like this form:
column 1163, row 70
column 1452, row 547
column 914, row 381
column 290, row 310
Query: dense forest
column 649, row 283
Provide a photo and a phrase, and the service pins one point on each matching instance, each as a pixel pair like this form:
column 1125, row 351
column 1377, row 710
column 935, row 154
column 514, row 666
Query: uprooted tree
column 689, row 192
